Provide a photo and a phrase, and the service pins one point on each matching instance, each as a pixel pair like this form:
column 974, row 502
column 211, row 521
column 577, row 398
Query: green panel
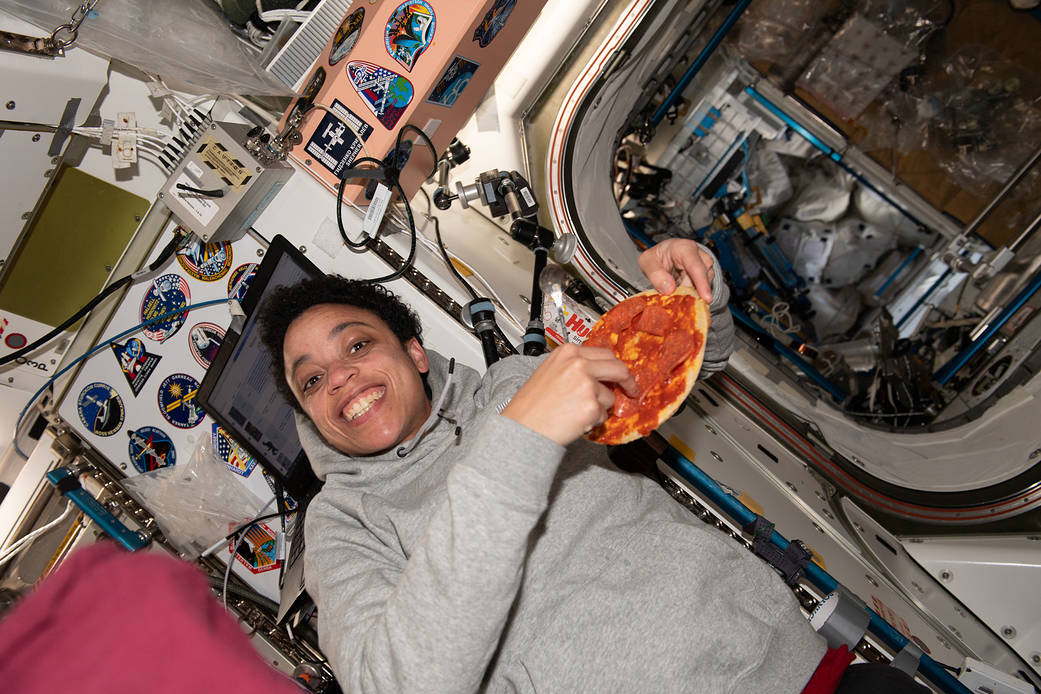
column 81, row 231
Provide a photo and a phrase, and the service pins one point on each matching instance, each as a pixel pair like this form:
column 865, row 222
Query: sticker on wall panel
column 346, row 36
column 204, row 339
column 136, row 362
column 168, row 293
column 409, row 31
column 335, row 144
column 258, row 550
column 290, row 501
column 386, row 93
column 493, row 22
column 222, row 161
column 452, row 83
column 234, row 456
column 15, row 340
column 208, row 262
column 100, row 408
column 239, row 281
column 151, row 449
column 308, row 95
column 177, row 401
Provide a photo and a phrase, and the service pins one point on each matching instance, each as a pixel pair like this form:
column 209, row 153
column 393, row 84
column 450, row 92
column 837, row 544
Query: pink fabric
column 108, row 621
column 829, row 672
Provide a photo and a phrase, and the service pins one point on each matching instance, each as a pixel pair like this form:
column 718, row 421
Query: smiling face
column 359, row 385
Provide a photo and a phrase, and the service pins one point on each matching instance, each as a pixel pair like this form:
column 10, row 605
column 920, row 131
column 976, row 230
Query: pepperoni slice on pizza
column 662, row 341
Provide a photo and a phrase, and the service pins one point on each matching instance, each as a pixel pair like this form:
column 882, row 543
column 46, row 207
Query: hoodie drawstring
column 435, row 414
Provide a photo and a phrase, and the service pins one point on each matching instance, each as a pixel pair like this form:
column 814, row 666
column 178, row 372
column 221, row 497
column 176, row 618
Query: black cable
column 426, row 139
column 448, row 260
column 364, row 243
column 412, row 249
column 455, row 271
column 390, row 173
column 214, row 193
column 256, row 520
column 164, row 255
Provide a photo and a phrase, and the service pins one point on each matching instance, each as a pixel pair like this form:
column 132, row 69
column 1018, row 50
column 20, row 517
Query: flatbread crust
column 661, row 338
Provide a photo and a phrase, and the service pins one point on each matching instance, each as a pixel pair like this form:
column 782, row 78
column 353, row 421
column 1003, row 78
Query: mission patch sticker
column 100, row 409
column 346, row 36
column 168, row 293
column 409, row 31
column 235, row 456
column 258, row 550
column 493, row 22
column 333, row 143
column 151, row 449
column 290, row 501
column 136, row 362
column 177, row 401
column 204, row 339
column 452, row 83
column 206, row 261
column 386, row 93
column 239, row 281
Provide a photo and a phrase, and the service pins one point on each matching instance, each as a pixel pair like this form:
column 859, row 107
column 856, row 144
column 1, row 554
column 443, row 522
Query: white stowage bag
column 768, row 175
column 822, row 193
column 807, row 245
column 856, row 249
column 182, row 40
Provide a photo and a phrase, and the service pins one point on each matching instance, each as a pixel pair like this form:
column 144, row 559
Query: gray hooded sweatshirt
column 482, row 556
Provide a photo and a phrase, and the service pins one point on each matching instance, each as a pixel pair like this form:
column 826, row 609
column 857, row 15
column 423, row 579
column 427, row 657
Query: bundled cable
column 387, row 172
column 164, row 255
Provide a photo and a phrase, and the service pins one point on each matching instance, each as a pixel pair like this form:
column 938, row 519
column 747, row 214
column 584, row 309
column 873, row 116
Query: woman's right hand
column 566, row 395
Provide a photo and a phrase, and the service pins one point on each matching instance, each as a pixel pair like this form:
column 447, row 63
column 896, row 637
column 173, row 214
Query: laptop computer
column 240, row 394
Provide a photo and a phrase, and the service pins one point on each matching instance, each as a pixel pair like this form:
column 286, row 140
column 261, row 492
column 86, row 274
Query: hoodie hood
column 461, row 396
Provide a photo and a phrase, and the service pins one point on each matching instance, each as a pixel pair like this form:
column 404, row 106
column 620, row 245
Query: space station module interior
column 865, row 172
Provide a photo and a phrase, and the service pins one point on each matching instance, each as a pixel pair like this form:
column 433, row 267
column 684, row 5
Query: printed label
column 223, row 163
column 377, row 208
column 202, row 207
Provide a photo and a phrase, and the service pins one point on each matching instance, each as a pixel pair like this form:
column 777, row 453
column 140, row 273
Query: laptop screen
column 239, row 391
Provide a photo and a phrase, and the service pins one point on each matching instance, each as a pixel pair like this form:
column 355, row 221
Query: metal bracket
column 65, row 126
column 30, row 45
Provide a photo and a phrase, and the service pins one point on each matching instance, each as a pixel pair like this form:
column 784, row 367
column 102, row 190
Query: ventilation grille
column 294, row 61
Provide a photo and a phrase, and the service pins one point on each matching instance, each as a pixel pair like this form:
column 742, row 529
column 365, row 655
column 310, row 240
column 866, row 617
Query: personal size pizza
column 662, row 341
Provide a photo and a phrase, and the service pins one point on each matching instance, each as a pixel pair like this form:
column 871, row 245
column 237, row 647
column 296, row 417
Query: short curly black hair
column 286, row 304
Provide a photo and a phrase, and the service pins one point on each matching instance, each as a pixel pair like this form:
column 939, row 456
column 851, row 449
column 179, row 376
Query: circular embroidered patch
column 240, row 279
column 151, row 449
column 206, row 261
column 167, row 293
column 204, row 339
column 177, row 401
column 100, row 408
